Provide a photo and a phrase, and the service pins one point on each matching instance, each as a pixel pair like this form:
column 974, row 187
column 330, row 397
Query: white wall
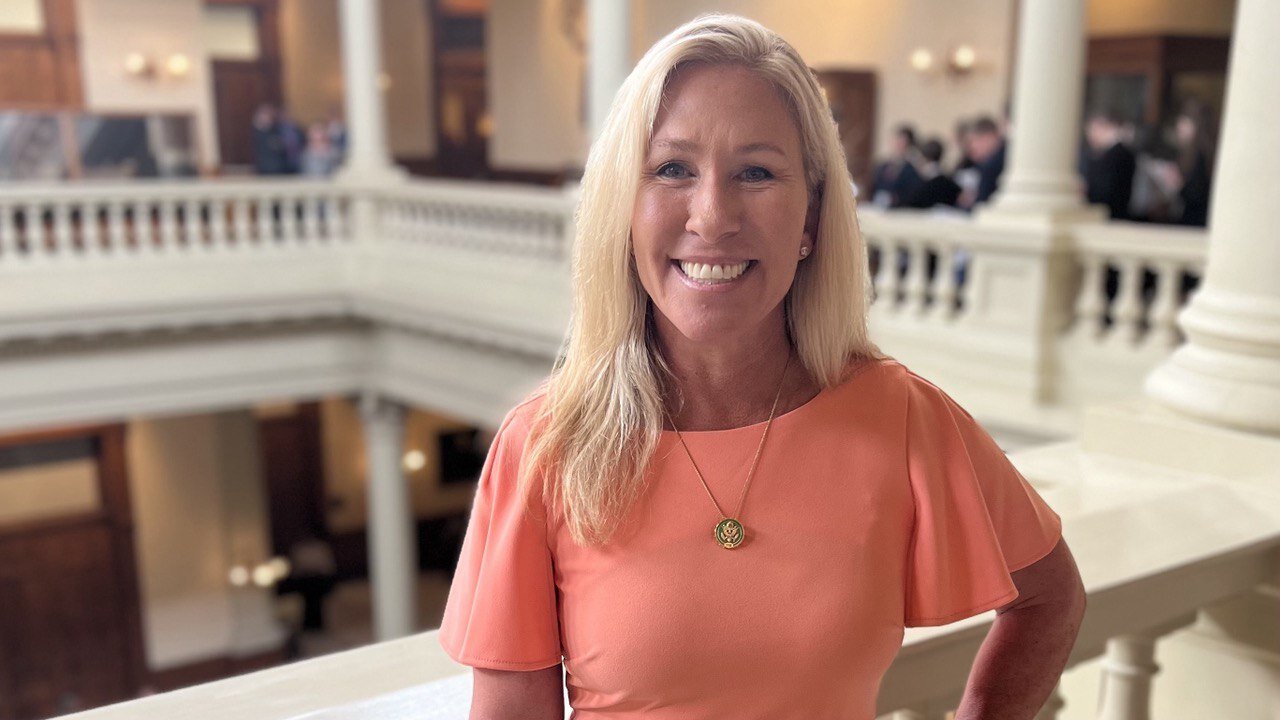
column 112, row 29
column 311, row 52
column 21, row 16
column 199, row 507
column 535, row 72
column 535, row 87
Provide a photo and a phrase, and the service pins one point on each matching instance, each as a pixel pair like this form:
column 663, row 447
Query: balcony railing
column 89, row 259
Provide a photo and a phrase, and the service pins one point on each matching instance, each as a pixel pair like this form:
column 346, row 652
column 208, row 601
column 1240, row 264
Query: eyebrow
column 690, row 146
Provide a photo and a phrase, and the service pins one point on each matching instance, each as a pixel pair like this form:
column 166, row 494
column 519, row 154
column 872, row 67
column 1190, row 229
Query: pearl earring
column 804, row 251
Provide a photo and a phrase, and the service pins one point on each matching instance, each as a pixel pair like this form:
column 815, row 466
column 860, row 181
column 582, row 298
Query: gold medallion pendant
column 729, row 533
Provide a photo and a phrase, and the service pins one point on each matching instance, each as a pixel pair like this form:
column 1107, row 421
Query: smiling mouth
column 713, row 274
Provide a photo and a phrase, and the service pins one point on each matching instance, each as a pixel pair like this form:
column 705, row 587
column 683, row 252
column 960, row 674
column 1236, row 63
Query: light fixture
column 958, row 62
column 138, row 65
column 238, row 576
column 178, row 65
column 921, row 59
column 963, row 59
column 414, row 460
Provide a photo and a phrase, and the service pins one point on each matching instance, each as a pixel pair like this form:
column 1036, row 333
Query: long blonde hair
column 601, row 420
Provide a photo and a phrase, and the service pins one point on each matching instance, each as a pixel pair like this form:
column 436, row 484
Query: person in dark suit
column 936, row 187
column 896, row 178
column 1110, row 165
column 268, row 147
column 986, row 149
column 1193, row 131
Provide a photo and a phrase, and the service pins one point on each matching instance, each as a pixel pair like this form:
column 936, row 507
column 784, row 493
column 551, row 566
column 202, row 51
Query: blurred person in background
column 1194, row 138
column 268, row 147
column 320, row 158
column 897, row 177
column 936, row 188
column 1109, row 164
column 986, row 147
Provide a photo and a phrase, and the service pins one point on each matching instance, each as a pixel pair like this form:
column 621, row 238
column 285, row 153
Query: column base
column 1228, row 372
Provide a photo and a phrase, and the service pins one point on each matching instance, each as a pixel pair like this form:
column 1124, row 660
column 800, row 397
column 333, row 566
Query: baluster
column 168, row 225
column 266, row 221
column 240, row 223
column 1091, row 302
column 33, row 224
column 218, row 225
column 115, row 227
column 917, row 276
column 887, row 282
column 288, row 219
column 1127, row 671
column 90, row 230
column 311, row 219
column 8, row 236
column 144, row 236
column 62, row 241
column 944, row 283
column 1126, row 312
column 192, row 234
column 1163, row 332
column 331, row 224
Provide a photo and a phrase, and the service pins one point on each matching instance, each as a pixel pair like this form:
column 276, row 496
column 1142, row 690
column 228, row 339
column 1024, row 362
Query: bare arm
column 1019, row 663
column 517, row 694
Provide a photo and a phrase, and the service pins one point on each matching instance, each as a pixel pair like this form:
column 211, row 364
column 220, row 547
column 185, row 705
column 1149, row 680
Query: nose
column 715, row 210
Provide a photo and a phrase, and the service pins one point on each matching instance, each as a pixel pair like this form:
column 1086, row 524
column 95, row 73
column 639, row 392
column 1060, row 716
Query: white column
column 1228, row 372
column 1040, row 176
column 392, row 553
column 367, row 154
column 608, row 57
column 1127, row 671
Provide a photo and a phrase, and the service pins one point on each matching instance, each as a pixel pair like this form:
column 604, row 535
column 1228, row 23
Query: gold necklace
column 729, row 532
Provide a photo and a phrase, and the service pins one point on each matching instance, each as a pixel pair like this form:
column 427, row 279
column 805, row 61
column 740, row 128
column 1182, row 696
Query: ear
column 812, row 217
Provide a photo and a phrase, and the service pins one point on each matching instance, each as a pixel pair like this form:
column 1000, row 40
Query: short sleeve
column 977, row 519
column 501, row 612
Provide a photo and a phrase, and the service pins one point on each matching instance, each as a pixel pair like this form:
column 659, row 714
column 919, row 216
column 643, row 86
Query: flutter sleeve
column 501, row 612
column 977, row 519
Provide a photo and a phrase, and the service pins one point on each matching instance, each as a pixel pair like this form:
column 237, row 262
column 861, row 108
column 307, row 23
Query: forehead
column 711, row 104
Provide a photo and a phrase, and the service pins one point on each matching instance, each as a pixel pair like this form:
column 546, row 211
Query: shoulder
column 902, row 389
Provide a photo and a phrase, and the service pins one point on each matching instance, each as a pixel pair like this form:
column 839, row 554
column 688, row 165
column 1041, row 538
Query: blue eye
column 756, row 174
column 672, row 171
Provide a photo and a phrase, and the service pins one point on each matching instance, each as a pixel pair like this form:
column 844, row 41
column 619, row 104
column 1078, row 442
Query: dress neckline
column 788, row 416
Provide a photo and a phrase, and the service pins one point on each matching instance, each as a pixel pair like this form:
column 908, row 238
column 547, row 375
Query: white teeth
column 722, row 273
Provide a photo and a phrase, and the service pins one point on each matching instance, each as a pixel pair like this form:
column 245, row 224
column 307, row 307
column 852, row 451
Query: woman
column 718, row 337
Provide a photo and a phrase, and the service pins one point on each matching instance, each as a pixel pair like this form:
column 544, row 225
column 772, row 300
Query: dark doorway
column 852, row 95
column 293, row 469
column 70, row 618
column 460, row 94
column 241, row 85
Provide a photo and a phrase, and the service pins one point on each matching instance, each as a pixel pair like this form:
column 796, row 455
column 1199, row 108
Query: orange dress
column 879, row 504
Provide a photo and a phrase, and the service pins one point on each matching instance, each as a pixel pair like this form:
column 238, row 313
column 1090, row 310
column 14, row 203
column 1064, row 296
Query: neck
column 731, row 382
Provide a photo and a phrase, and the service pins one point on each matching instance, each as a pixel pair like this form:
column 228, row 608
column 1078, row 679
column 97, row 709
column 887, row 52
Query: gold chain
column 751, row 474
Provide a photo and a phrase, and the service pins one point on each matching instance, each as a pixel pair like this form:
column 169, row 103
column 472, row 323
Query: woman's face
column 722, row 208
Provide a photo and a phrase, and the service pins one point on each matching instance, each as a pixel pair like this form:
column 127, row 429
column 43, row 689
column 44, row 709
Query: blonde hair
column 601, row 420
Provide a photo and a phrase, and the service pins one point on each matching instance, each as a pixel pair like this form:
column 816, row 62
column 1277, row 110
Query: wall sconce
column 414, row 460
column 264, row 574
column 178, row 65
column 959, row 62
column 962, row 60
column 139, row 65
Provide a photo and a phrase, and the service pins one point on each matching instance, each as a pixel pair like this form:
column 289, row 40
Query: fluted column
column 1040, row 176
column 392, row 552
column 367, row 155
column 608, row 57
column 1228, row 372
